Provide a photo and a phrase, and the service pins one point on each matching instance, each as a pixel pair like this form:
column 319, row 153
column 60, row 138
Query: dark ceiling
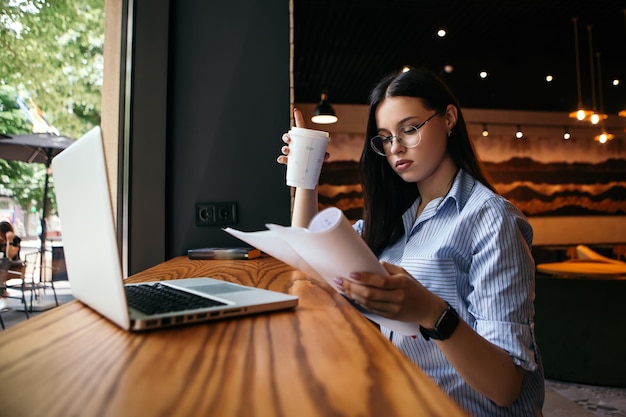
column 346, row 46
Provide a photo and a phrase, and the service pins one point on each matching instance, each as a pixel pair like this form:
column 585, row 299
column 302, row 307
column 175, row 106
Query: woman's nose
column 396, row 145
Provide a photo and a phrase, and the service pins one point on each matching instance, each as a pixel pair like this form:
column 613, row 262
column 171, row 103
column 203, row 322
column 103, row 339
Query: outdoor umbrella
column 35, row 148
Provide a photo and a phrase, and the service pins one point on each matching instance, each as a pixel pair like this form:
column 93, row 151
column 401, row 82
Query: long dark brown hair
column 5, row 227
column 386, row 195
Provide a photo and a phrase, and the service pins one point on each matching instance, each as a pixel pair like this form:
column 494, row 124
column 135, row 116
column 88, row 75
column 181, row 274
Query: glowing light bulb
column 595, row 119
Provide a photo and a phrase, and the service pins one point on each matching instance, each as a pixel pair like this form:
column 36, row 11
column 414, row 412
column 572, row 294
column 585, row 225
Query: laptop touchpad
column 215, row 289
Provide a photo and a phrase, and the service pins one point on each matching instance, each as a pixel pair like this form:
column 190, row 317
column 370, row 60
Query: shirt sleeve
column 502, row 278
column 358, row 227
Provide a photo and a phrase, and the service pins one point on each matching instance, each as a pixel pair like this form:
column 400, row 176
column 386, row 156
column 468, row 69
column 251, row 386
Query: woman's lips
column 403, row 164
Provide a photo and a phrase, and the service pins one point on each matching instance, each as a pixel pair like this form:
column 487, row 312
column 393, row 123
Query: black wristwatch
column 445, row 326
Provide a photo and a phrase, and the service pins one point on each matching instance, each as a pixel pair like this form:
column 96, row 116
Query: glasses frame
column 390, row 139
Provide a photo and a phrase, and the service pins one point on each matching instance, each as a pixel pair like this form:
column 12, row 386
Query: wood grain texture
column 321, row 359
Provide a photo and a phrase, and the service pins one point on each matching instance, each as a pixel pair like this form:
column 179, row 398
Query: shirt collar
column 461, row 190
column 459, row 193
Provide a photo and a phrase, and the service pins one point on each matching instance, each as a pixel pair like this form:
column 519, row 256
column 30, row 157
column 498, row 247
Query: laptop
column 94, row 268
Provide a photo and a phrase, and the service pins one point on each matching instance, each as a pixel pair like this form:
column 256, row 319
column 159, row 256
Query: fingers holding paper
column 397, row 296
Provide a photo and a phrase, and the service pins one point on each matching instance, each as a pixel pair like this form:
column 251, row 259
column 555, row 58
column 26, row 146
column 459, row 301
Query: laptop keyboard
column 157, row 299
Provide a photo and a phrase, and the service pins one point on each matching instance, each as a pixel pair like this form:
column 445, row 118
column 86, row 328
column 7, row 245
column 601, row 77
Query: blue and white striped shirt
column 472, row 248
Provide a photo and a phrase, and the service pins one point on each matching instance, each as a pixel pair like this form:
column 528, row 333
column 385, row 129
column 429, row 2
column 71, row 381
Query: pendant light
column 596, row 116
column 324, row 112
column 581, row 113
column 604, row 136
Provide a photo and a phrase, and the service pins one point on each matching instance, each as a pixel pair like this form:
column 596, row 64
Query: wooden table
column 587, row 268
column 321, row 359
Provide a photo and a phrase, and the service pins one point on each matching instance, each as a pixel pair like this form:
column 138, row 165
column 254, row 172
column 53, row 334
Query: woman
column 9, row 251
column 457, row 254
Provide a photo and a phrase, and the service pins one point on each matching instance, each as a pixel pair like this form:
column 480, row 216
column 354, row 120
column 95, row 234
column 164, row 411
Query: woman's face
column 418, row 163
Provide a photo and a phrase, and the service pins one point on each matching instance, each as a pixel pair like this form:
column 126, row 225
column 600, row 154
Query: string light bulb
column 485, row 131
column 519, row 134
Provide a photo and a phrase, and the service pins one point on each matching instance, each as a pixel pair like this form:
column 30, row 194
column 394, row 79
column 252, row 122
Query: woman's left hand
column 397, row 296
column 486, row 367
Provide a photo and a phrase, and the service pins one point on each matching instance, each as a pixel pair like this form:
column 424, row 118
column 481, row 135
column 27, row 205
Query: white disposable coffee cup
column 307, row 149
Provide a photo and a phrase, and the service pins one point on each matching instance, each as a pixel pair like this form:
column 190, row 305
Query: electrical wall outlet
column 216, row 214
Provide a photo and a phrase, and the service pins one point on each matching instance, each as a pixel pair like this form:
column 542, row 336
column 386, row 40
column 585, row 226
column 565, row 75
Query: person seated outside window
column 9, row 251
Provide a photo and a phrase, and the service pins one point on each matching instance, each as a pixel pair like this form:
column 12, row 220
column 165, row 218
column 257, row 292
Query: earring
column 449, row 133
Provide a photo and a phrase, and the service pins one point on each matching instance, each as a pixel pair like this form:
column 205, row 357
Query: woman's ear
column 452, row 114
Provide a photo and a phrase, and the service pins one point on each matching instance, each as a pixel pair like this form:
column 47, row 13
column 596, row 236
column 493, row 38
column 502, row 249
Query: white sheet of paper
column 327, row 249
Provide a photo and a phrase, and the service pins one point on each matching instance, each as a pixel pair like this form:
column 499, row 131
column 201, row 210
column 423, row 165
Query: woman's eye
column 409, row 130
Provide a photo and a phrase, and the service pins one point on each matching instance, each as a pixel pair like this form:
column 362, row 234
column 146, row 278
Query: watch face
column 448, row 323
column 445, row 326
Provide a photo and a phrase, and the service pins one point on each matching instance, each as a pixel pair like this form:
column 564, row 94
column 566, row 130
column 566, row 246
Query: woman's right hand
column 297, row 115
column 282, row 159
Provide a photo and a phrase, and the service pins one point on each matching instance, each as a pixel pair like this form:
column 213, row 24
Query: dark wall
column 213, row 133
column 143, row 134
column 228, row 107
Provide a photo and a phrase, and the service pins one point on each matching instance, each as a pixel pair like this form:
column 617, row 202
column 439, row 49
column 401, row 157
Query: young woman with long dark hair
column 457, row 253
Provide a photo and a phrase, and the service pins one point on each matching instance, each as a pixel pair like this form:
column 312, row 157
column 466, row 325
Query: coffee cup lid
column 308, row 132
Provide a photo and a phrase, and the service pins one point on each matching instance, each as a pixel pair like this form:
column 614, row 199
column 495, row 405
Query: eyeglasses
column 407, row 135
